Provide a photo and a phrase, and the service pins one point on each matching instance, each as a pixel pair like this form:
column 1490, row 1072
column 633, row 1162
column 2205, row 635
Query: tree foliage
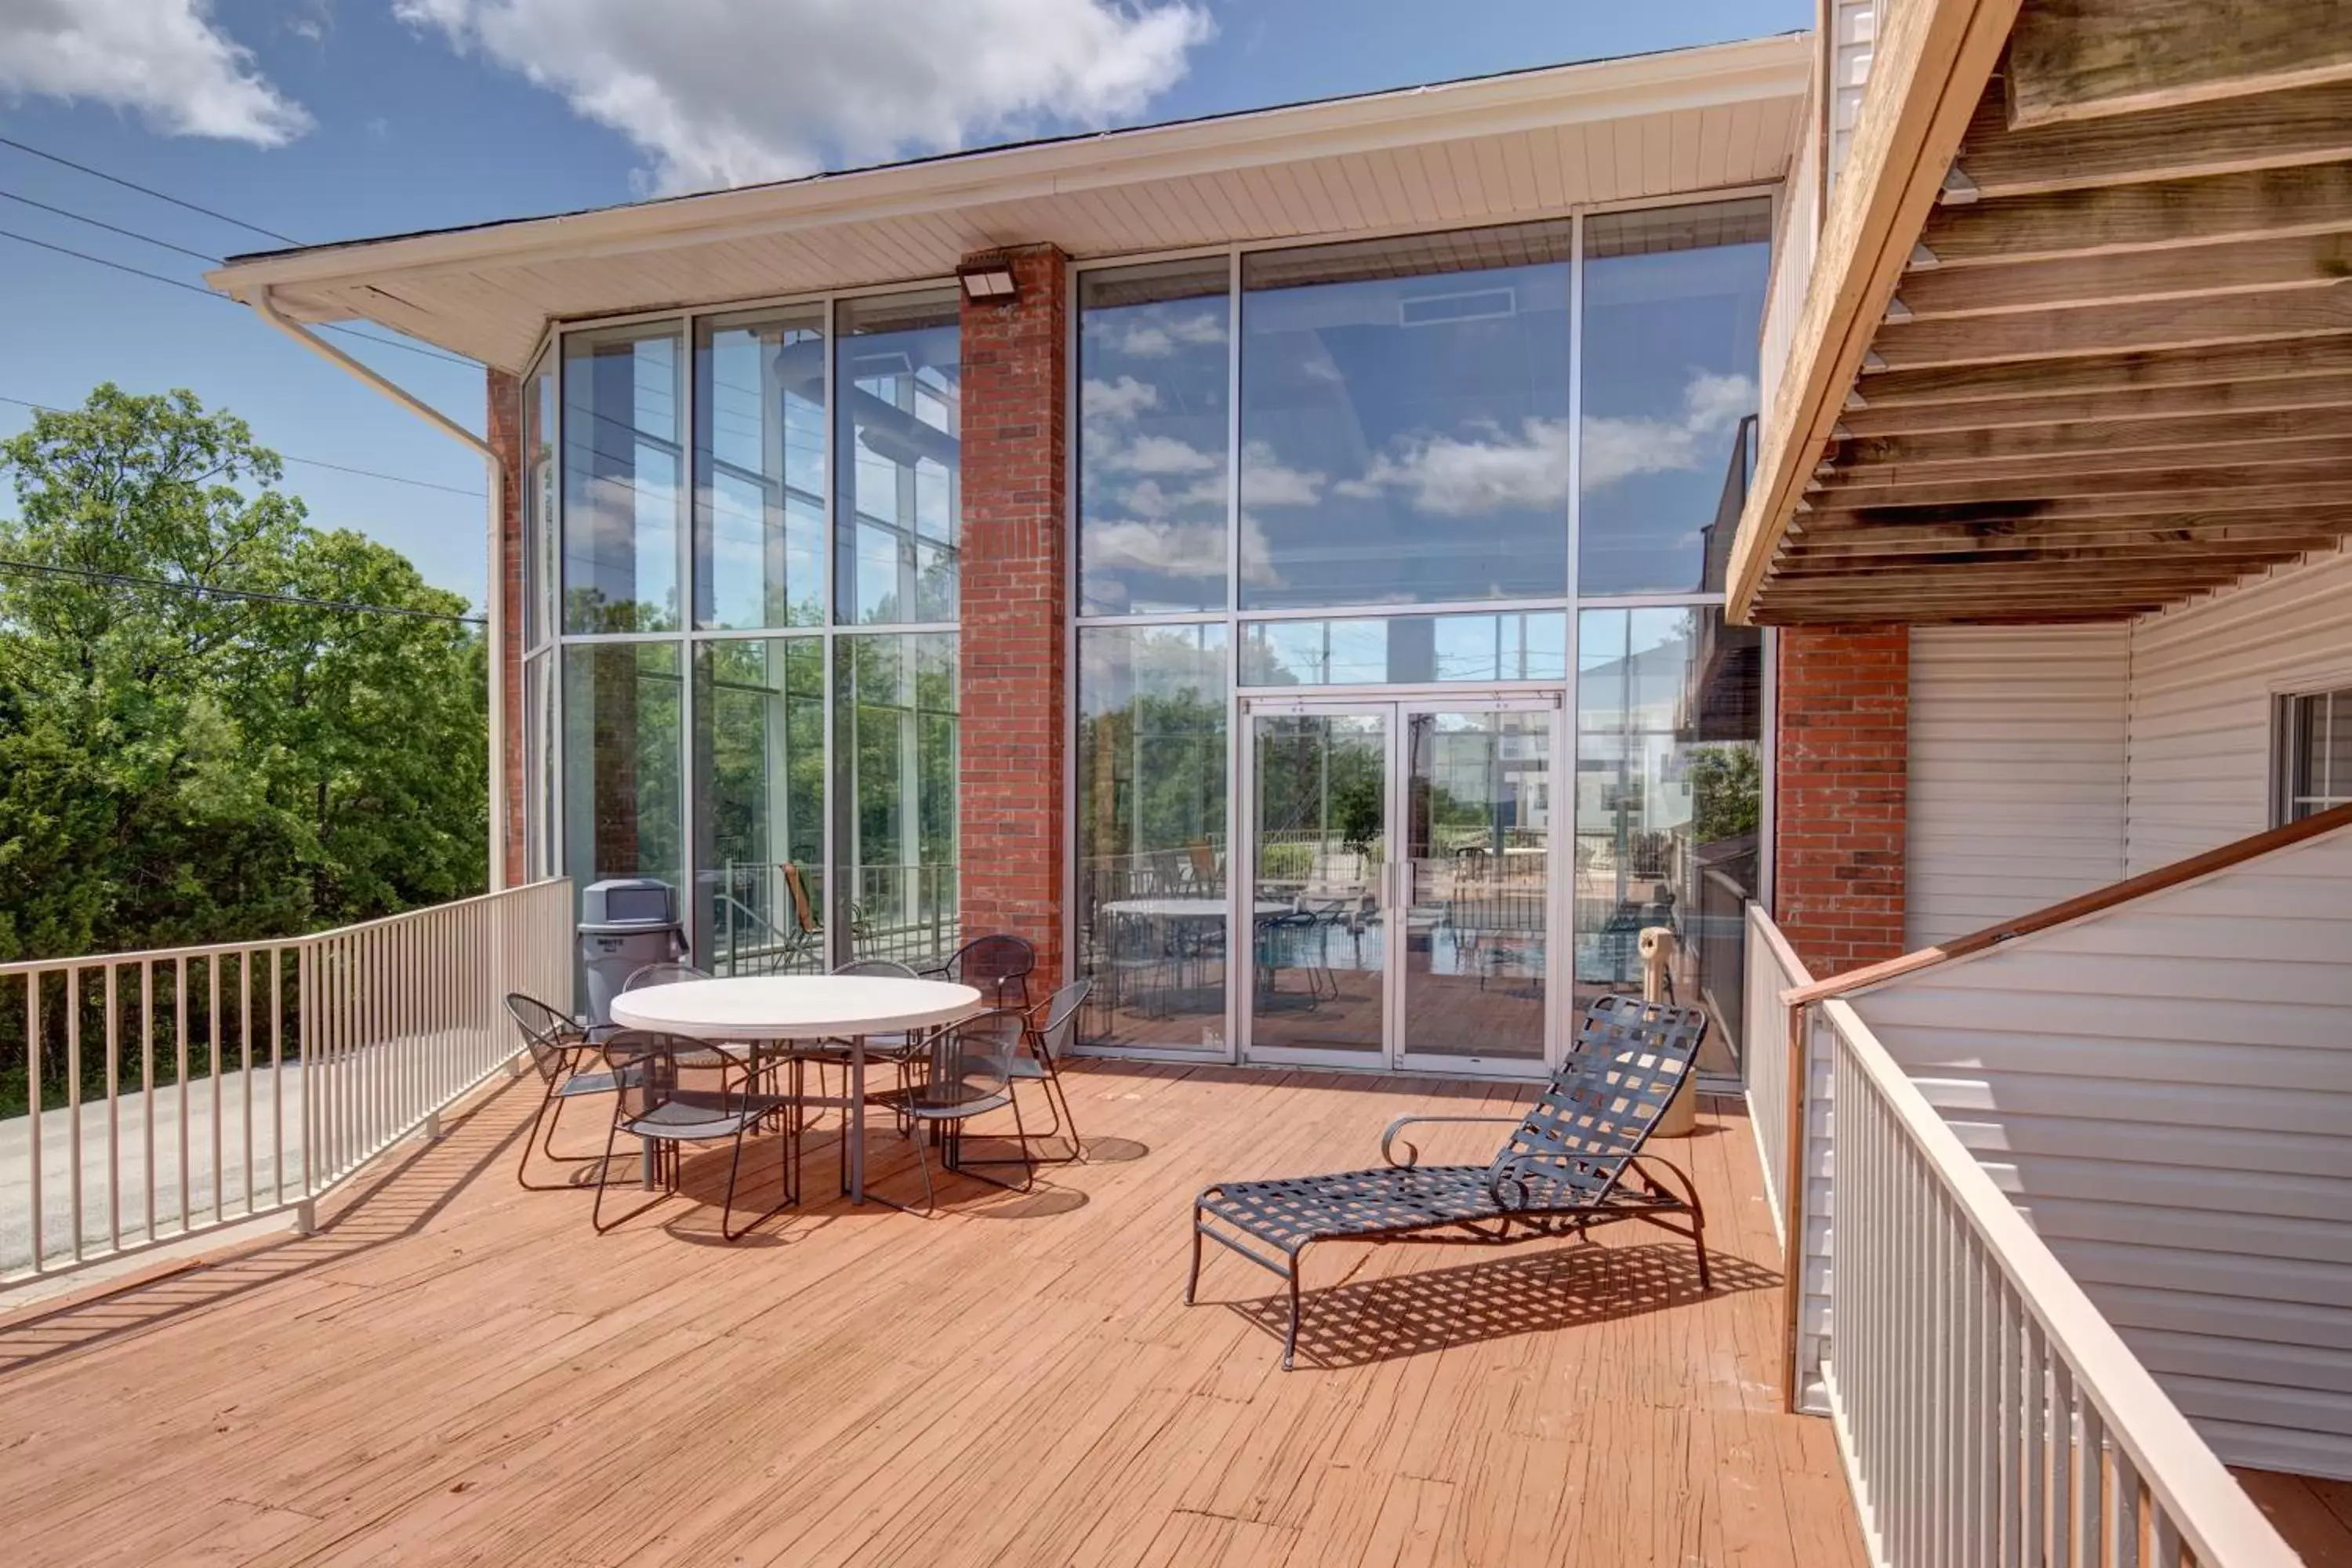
column 176, row 766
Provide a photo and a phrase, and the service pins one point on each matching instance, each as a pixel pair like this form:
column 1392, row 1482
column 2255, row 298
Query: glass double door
column 1399, row 886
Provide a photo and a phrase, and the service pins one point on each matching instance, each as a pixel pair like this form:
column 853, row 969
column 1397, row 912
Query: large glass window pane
column 900, row 467
column 758, row 761
column 1153, row 406
column 1404, row 419
column 759, row 463
column 1669, row 799
column 622, row 803
column 1406, row 649
column 1151, row 834
column 538, row 480
column 623, row 397
column 895, row 761
column 1673, row 299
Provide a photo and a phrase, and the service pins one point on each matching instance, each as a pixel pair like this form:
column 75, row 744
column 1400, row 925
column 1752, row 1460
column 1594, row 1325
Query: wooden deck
column 2313, row 1513
column 454, row 1370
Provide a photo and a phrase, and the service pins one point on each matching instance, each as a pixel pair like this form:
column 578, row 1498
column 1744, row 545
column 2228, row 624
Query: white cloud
column 1453, row 478
column 1119, row 400
column 1157, row 334
column 1267, row 480
column 720, row 92
column 1492, row 468
column 165, row 59
column 1619, row 448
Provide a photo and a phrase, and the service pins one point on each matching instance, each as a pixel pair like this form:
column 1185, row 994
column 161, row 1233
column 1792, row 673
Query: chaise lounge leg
column 1290, row 1337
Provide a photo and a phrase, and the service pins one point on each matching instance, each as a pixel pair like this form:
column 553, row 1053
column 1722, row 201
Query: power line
column 147, row 191
column 120, row 580
column 110, row 228
column 197, row 289
column 306, row 462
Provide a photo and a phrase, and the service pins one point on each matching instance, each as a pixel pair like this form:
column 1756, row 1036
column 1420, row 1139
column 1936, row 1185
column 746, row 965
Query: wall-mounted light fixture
column 988, row 279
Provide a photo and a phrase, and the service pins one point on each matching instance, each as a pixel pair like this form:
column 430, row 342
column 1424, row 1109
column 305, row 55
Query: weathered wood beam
column 2317, row 393
column 1834, row 530
column 2229, row 267
column 2259, row 204
column 1770, row 614
column 1929, row 64
column 2047, row 473
column 1860, row 549
column 2154, row 327
column 2084, row 60
column 2270, row 131
column 2110, row 373
column 2149, row 492
column 2141, row 441
column 2092, row 436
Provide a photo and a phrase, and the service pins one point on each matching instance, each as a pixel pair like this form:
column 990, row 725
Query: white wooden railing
column 1770, row 1052
column 1986, row 1413
column 175, row 1091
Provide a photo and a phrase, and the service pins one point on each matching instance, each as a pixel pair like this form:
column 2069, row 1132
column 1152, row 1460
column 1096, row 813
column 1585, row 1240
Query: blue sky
column 330, row 119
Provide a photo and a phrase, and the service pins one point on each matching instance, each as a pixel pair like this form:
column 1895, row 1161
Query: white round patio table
column 760, row 1008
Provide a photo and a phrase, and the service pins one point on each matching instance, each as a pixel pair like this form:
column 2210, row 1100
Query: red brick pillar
column 1840, row 793
column 505, row 427
column 1014, row 647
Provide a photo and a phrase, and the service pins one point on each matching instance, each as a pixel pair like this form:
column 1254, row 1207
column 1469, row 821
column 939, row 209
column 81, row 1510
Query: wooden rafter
column 2115, row 367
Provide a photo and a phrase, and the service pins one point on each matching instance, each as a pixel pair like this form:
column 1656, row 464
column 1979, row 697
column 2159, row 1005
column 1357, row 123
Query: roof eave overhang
column 1713, row 75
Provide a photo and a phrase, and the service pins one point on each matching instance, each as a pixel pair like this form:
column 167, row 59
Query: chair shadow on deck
column 1361, row 1322
column 397, row 1198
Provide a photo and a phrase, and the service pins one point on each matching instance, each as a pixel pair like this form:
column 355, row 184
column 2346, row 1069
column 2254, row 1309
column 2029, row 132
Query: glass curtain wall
column 723, row 501
column 1553, row 418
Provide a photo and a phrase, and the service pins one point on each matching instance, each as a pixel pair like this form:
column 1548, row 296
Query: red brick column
column 504, row 397
column 1014, row 647
column 1840, row 793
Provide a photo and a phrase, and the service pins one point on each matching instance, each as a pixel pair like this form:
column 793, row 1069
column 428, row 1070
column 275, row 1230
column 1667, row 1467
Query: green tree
column 1727, row 791
column 177, row 766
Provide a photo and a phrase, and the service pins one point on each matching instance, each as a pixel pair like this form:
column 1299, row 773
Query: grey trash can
column 625, row 923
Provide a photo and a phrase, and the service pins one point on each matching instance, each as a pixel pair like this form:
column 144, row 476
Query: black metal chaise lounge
column 1572, row 1162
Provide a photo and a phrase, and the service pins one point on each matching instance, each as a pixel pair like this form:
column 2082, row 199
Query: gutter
column 495, row 608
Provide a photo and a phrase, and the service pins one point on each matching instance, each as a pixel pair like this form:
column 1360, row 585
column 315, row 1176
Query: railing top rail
column 2213, row 1511
column 257, row 944
column 1776, row 941
column 2219, row 859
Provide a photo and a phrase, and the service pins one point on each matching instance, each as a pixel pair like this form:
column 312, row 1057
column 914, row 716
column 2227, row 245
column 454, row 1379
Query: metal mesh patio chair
column 998, row 966
column 655, row 1104
column 968, row 1073
column 564, row 1053
column 689, row 1056
column 1049, row 1029
column 895, row 1049
column 1573, row 1161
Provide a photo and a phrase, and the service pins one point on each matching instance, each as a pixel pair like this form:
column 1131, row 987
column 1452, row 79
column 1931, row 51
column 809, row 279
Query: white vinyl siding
column 2016, row 772
column 2166, row 1090
column 2205, row 682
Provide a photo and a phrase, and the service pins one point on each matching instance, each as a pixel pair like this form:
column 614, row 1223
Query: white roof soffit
column 1482, row 151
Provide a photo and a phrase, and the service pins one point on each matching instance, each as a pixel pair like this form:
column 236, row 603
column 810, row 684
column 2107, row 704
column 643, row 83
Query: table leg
column 646, row 1163
column 858, row 1119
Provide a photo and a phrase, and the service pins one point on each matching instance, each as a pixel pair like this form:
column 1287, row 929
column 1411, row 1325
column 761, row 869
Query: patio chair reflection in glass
column 1573, row 1161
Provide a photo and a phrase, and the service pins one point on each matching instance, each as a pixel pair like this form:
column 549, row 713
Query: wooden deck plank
column 455, row 1370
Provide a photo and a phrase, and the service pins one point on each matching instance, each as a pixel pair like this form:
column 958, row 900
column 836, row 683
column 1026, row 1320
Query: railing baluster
column 33, row 1107
column 147, row 1079
column 113, row 1113
column 213, row 1025
column 180, row 1082
column 245, row 1046
column 278, row 1070
column 73, row 1103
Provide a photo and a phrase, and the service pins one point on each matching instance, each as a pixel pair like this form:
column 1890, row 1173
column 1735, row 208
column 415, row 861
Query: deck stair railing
column 1987, row 1411
column 158, row 1095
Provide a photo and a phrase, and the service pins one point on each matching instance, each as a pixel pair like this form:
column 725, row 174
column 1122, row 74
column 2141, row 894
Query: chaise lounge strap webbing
column 1290, row 1212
